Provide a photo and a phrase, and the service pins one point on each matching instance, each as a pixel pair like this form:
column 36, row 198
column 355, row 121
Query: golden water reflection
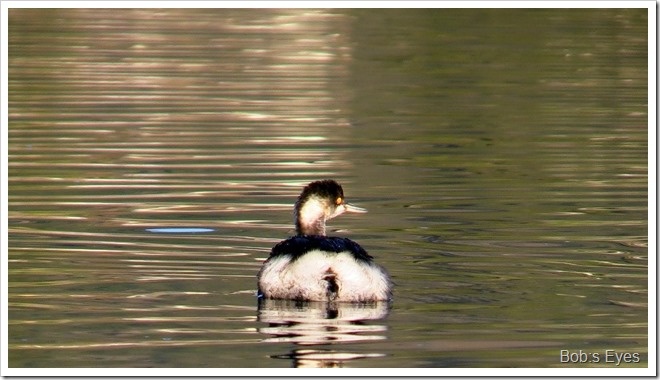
column 507, row 192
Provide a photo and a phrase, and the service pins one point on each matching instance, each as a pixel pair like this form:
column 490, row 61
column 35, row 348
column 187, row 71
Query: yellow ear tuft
column 338, row 201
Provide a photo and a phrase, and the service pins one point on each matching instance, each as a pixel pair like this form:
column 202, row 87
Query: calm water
column 502, row 155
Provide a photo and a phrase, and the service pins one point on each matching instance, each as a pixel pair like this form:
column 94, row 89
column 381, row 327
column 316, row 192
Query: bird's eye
column 338, row 201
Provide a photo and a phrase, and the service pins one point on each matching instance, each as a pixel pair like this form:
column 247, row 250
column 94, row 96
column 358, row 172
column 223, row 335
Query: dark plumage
column 297, row 246
column 326, row 188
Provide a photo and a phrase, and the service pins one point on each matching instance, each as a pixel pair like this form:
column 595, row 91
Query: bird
column 311, row 266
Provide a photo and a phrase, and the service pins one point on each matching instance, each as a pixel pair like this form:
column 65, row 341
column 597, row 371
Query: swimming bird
column 311, row 266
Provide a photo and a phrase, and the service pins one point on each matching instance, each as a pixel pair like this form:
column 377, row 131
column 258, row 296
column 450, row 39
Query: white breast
column 305, row 278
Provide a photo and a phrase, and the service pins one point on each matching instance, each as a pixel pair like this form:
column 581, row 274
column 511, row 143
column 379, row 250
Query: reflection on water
column 155, row 156
column 306, row 358
column 322, row 323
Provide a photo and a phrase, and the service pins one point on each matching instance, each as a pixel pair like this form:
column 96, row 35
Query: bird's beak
column 350, row 208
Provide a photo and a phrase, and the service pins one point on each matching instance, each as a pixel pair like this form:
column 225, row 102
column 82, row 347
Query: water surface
column 155, row 156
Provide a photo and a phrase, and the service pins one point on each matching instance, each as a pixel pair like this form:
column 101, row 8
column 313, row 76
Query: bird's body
column 313, row 267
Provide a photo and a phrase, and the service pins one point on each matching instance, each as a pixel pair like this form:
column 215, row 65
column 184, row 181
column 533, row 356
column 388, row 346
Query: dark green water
column 502, row 155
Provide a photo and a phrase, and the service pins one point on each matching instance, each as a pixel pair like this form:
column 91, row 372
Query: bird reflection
column 306, row 324
column 310, row 358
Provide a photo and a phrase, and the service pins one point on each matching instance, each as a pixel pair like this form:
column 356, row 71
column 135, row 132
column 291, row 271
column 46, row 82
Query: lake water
column 155, row 156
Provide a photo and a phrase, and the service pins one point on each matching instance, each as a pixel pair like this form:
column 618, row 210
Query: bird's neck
column 310, row 218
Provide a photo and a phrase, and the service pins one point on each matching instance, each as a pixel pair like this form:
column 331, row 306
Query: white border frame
column 402, row 372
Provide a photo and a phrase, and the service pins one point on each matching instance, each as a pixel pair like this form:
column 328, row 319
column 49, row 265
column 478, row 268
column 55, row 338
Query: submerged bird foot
column 332, row 287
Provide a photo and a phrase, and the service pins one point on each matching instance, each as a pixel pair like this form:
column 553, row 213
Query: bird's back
column 322, row 268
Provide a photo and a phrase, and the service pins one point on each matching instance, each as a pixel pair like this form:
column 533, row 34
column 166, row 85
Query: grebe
column 314, row 267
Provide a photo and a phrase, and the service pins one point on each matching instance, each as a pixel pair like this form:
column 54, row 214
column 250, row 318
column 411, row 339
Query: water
column 155, row 155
